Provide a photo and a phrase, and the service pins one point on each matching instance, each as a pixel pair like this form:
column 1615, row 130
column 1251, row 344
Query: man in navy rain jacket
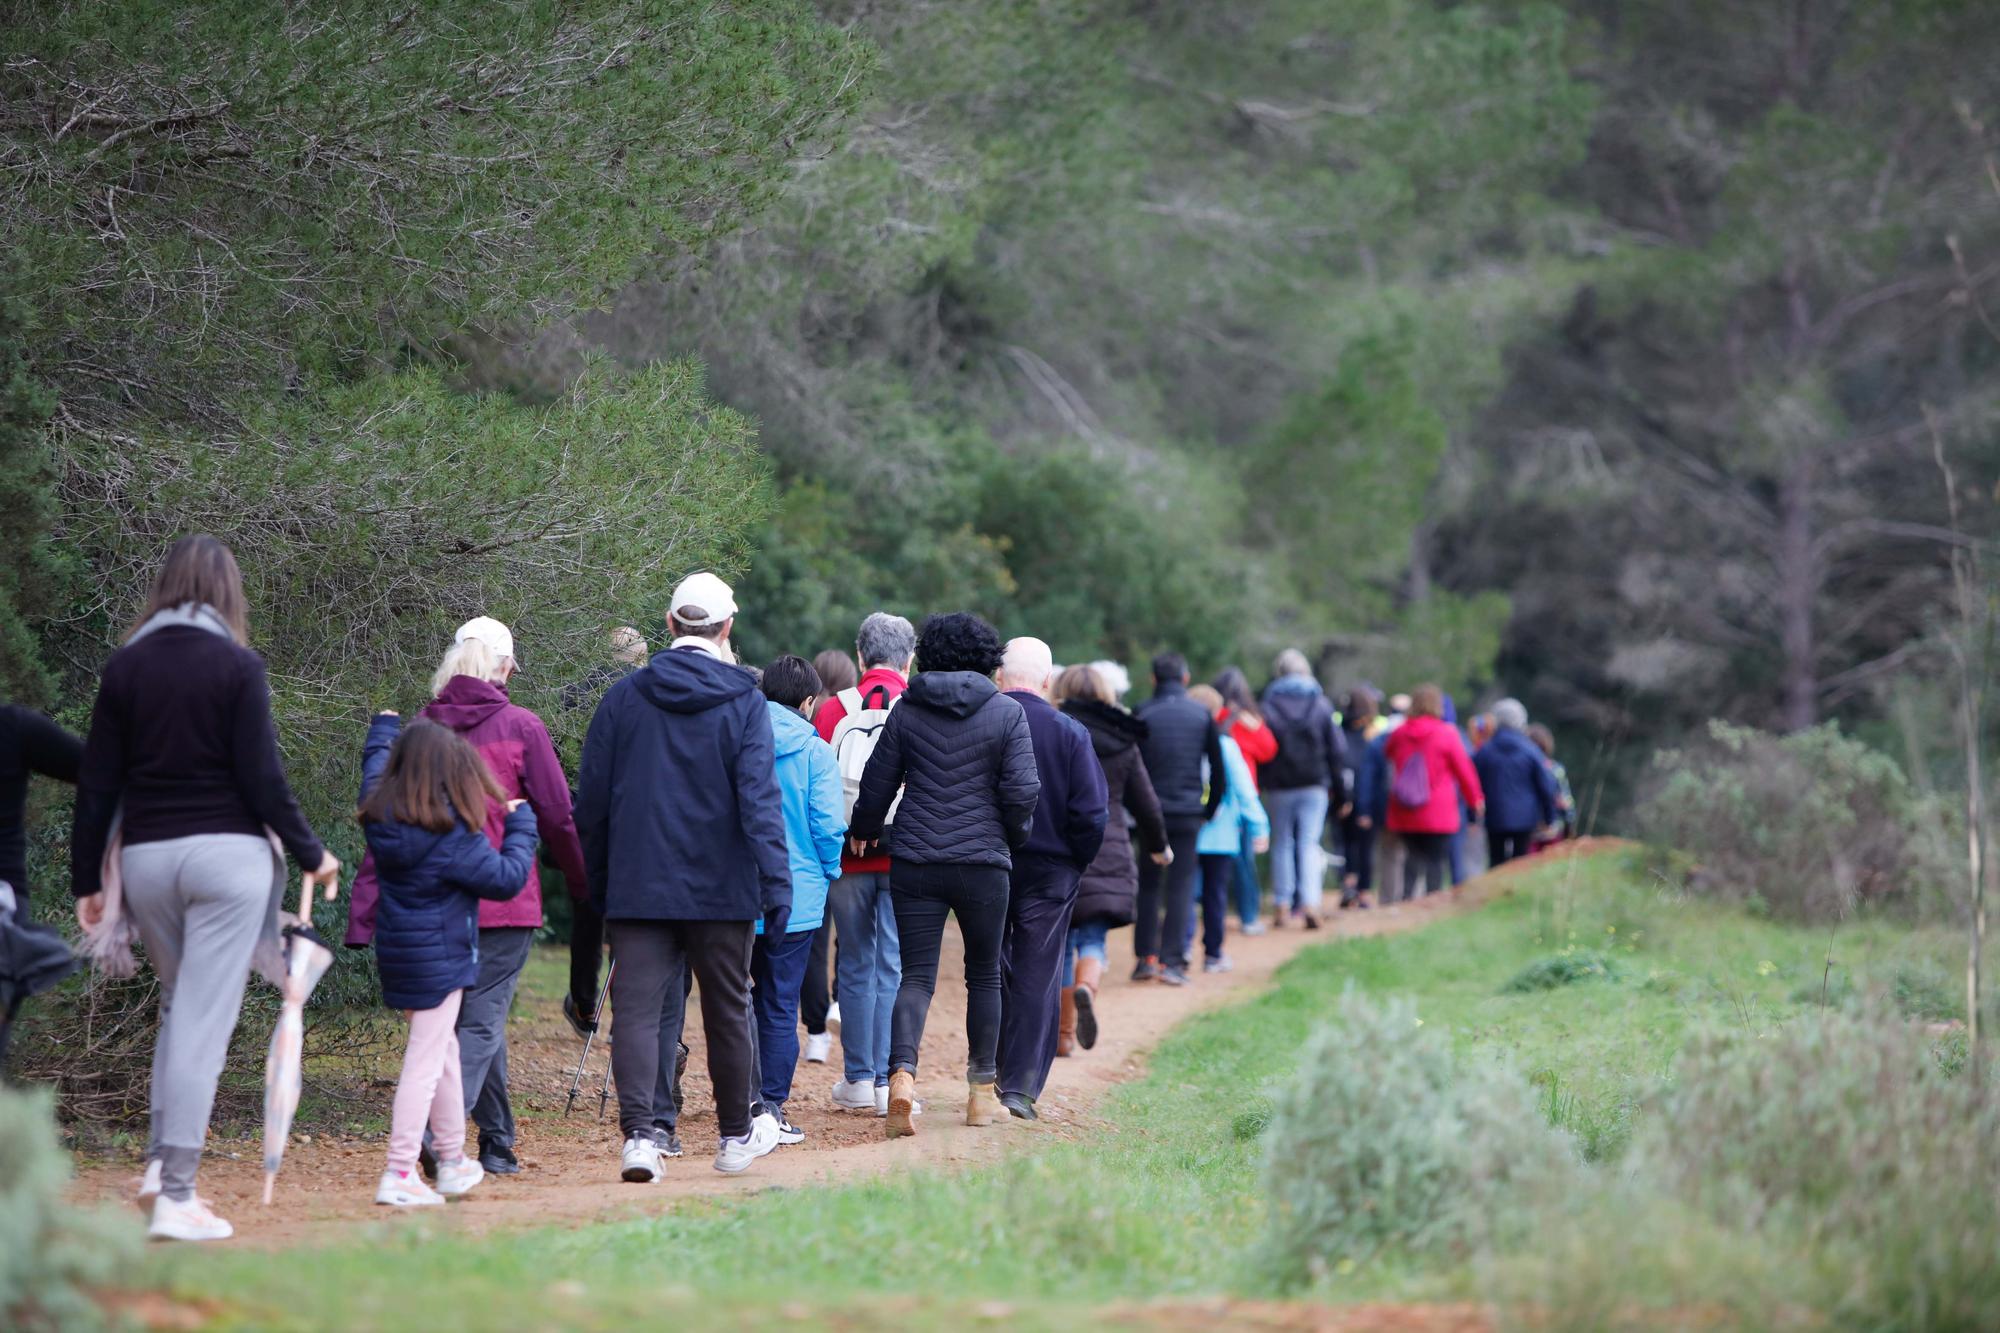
column 1520, row 789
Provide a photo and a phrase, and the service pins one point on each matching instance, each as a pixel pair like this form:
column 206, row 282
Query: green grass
column 1165, row 1202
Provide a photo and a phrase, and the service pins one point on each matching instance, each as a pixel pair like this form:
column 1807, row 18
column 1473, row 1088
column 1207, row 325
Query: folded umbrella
column 306, row 959
column 33, row 958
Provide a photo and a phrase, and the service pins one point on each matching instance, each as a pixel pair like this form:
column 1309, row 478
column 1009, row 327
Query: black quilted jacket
column 961, row 753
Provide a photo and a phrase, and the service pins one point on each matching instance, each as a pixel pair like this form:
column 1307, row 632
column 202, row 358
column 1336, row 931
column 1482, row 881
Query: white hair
column 470, row 657
column 1511, row 713
column 1028, row 664
column 1115, row 675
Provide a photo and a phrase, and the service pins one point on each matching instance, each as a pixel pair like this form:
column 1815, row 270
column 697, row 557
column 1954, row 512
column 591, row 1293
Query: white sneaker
column 737, row 1154
column 149, row 1184
column 407, row 1191
column 819, row 1045
column 456, row 1178
column 833, row 1017
column 191, row 1220
column 882, row 1103
column 860, row 1097
column 764, row 1134
column 641, row 1160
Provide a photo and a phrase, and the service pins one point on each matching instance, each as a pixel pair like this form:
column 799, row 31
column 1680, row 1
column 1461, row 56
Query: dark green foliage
column 52, row 1253
column 1563, row 969
column 33, row 575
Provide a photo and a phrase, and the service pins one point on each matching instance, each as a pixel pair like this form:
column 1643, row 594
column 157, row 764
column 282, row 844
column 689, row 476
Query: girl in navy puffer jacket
column 424, row 798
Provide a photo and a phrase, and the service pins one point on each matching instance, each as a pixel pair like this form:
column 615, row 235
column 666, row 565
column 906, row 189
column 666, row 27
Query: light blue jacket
column 1240, row 819
column 815, row 818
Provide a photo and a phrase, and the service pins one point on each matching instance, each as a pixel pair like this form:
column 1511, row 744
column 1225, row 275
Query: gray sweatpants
column 198, row 904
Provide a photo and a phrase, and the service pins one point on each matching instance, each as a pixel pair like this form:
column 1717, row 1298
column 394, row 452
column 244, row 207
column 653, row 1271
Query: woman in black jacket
column 960, row 753
column 1108, row 895
column 29, row 744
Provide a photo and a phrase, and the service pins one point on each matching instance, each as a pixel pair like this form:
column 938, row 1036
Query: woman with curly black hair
column 959, row 752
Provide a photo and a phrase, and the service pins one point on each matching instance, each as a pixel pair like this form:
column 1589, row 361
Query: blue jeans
column 1249, row 892
column 868, row 970
column 1298, row 816
column 778, row 967
column 1086, row 940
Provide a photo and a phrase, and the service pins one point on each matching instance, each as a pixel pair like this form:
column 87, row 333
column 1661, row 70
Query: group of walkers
column 792, row 840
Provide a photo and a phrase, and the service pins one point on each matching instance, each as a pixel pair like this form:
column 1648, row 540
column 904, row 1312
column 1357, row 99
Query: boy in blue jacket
column 815, row 827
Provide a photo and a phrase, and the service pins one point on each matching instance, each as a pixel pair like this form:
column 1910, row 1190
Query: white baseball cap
column 702, row 592
column 489, row 632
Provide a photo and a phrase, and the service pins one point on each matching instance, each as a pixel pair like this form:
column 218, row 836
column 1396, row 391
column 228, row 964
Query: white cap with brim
column 702, row 600
column 489, row 632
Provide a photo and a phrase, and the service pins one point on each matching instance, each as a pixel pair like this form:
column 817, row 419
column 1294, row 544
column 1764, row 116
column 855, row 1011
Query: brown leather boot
column 981, row 1105
column 902, row 1104
column 1084, row 1000
column 1066, row 1026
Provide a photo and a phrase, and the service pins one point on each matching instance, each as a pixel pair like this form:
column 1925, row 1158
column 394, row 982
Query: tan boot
column 902, row 1104
column 1066, row 1026
column 981, row 1106
column 1084, row 1001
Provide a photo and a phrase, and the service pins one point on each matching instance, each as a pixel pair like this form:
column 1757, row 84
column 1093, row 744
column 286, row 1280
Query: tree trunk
column 1798, row 589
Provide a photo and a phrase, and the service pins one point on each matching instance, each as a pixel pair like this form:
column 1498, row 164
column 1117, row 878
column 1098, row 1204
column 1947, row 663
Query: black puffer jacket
column 1110, row 888
column 1180, row 734
column 961, row 752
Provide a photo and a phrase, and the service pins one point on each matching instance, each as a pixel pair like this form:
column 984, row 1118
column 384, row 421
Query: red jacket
column 831, row 711
column 1438, row 746
column 516, row 746
column 1256, row 740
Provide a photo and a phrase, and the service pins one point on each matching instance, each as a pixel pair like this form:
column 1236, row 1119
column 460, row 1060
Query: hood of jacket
column 1112, row 729
column 953, row 693
column 1295, row 685
column 790, row 731
column 687, row 680
column 1512, row 740
column 399, row 846
column 465, row 702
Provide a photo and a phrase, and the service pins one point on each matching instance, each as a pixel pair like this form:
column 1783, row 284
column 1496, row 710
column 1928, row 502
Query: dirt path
column 570, row 1164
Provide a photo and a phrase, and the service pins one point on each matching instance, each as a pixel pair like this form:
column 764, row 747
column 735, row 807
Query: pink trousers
column 430, row 1088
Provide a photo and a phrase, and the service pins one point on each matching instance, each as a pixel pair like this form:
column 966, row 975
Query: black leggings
column 923, row 896
column 1357, row 844
column 815, row 996
column 1426, row 859
column 1504, row 847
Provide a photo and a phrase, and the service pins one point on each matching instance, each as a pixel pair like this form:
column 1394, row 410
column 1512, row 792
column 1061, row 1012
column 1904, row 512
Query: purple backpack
column 1412, row 787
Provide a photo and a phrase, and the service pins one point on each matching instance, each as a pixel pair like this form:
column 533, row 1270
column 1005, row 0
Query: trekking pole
column 604, row 1092
column 597, row 1020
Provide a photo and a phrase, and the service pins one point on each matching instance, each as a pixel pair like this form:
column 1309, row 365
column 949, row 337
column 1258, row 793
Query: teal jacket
column 1240, row 819
column 815, row 812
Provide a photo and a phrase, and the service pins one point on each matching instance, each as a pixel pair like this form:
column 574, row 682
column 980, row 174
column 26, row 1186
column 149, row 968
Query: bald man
column 1068, row 828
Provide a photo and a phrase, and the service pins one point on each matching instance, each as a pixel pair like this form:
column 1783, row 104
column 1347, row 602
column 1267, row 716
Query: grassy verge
column 1166, row 1203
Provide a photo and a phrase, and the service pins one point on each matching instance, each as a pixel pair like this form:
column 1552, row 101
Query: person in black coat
column 1183, row 753
column 29, row 744
column 1067, row 834
column 1107, row 895
column 962, row 756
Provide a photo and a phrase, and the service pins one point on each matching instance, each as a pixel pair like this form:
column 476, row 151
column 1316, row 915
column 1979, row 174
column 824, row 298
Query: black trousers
column 1166, row 896
column 655, row 961
column 586, row 954
column 1040, row 898
column 815, row 992
column 1357, row 844
column 1504, row 847
column 923, row 896
column 1426, row 860
column 1218, row 876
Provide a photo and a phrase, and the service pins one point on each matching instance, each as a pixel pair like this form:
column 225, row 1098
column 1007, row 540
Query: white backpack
column 854, row 739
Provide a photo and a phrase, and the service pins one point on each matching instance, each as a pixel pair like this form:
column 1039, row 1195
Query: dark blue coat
column 1371, row 783
column 427, row 919
column 677, row 800
column 1520, row 790
column 1071, row 812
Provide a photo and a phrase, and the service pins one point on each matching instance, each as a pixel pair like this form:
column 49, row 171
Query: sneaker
column 764, row 1133
column 400, row 1191
column 1019, row 1105
column 667, row 1140
column 456, row 1178
column 1148, row 969
column 819, row 1045
column 190, row 1219
column 861, row 1096
column 580, row 1023
column 149, row 1184
column 1086, row 1018
column 833, row 1017
column 1254, row 927
column 736, row 1155
column 1219, row 963
column 640, row 1163
column 496, row 1159
column 789, row 1132
column 1173, row 976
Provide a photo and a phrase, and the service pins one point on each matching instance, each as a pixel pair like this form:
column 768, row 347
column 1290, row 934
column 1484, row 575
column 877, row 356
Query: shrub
column 49, row 1251
column 1562, row 969
column 1384, row 1140
column 1807, row 826
column 1847, row 1138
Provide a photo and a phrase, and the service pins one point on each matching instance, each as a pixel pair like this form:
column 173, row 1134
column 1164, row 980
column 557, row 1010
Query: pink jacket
column 516, row 746
column 1439, row 748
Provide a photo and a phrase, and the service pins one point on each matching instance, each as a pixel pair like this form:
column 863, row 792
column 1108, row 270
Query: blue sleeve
column 1244, row 792
column 1089, row 803
column 592, row 809
column 485, row 873
column 382, row 732
column 825, row 806
column 1545, row 791
column 760, row 807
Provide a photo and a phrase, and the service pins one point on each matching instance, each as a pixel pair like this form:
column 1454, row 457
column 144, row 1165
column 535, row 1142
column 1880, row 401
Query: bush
column 49, row 1251
column 1562, row 969
column 1384, row 1140
column 1846, row 1138
column 1807, row 826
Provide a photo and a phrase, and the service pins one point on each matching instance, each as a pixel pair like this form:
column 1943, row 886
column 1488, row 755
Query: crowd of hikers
column 792, row 840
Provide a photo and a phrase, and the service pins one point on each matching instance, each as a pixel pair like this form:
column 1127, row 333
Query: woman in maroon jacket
column 471, row 688
column 1434, row 745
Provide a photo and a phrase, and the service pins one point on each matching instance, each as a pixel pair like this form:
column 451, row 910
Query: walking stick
column 604, row 1092
column 576, row 1081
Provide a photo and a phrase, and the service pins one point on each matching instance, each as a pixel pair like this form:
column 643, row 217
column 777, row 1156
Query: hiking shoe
column 496, row 1159
column 667, row 1140
column 789, row 1132
column 1312, row 920
column 640, row 1163
column 406, row 1191
column 1019, row 1105
column 579, row 1022
column 1086, row 1018
column 1173, row 976
column 190, row 1219
column 819, row 1045
column 981, row 1106
column 1148, row 969
column 900, row 1097
column 860, row 1096
column 882, row 1102
column 456, row 1178
column 1219, row 963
